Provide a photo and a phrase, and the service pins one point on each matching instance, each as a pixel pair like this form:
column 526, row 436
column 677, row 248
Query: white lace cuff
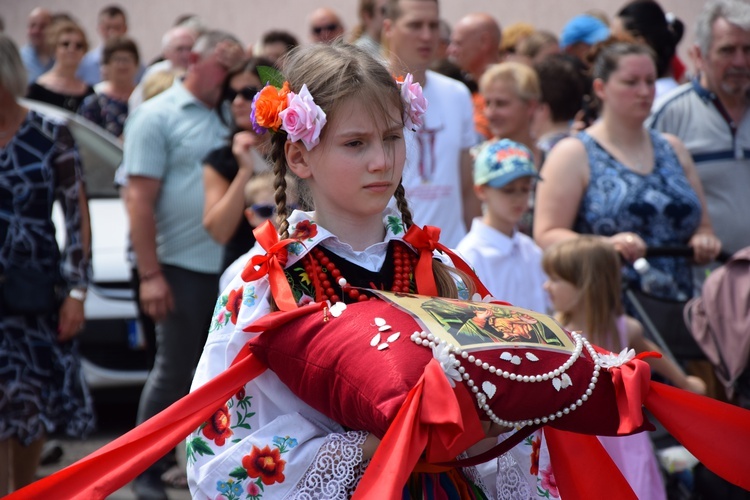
column 335, row 470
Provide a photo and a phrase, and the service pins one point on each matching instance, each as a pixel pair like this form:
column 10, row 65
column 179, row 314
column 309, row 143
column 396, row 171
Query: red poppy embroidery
column 240, row 394
column 304, row 230
column 234, row 302
column 217, row 427
column 266, row 464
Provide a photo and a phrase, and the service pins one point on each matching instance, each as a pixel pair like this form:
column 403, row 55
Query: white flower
column 442, row 354
column 478, row 298
column 613, row 360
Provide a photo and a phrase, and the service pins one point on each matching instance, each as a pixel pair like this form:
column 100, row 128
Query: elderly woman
column 632, row 186
column 108, row 108
column 59, row 86
column 41, row 288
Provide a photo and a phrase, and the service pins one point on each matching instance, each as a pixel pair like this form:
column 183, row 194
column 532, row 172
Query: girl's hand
column 706, row 247
column 369, row 446
column 71, row 319
column 695, row 384
column 242, row 149
column 629, row 245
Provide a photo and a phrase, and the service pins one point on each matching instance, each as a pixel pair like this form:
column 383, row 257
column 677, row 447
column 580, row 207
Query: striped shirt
column 721, row 151
column 166, row 139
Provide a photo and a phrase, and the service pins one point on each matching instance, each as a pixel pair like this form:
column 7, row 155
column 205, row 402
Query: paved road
column 116, row 415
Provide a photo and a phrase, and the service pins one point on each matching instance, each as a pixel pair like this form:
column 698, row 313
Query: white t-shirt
column 510, row 268
column 432, row 176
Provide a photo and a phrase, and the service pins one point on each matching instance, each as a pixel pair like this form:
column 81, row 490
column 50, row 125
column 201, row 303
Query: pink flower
column 253, row 490
column 303, row 120
column 549, row 483
column 415, row 104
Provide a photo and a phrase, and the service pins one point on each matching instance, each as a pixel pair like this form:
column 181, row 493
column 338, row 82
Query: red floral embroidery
column 240, row 394
column 536, row 445
column 266, row 464
column 234, row 302
column 217, row 427
column 304, row 230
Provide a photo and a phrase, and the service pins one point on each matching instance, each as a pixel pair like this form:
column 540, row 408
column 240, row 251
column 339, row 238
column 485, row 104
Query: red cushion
column 337, row 366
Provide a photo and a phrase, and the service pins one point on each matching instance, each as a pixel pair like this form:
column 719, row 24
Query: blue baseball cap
column 584, row 28
column 501, row 162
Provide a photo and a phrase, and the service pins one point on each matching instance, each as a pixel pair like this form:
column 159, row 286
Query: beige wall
column 249, row 19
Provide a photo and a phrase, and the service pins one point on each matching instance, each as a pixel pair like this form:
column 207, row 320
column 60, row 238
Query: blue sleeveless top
column 661, row 207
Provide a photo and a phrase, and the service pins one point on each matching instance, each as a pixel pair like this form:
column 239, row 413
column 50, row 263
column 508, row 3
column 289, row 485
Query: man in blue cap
column 581, row 33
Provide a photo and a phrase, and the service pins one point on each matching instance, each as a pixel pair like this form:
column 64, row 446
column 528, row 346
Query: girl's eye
column 353, row 144
column 393, row 137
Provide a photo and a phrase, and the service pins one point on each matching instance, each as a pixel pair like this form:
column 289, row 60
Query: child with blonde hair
column 585, row 289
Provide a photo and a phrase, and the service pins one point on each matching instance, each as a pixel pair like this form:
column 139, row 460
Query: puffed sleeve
column 74, row 261
column 264, row 439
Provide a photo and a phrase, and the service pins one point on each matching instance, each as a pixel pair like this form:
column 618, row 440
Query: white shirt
column 510, row 268
column 432, row 176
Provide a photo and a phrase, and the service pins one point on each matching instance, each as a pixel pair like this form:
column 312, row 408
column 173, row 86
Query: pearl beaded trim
column 457, row 355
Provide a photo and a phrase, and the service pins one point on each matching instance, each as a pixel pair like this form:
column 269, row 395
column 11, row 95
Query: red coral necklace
column 324, row 275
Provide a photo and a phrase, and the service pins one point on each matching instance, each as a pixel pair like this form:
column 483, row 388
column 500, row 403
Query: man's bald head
column 325, row 25
column 475, row 41
column 39, row 19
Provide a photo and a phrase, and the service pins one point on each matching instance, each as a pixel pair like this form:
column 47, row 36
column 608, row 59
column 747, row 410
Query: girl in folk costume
column 342, row 134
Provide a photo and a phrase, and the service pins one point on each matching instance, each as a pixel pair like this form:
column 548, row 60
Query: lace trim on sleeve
column 336, row 469
column 512, row 483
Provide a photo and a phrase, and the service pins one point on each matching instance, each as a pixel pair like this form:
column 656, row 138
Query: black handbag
column 28, row 292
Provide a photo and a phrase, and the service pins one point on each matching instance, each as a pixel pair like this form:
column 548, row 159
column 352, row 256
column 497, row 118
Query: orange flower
column 217, row 427
column 271, row 101
column 536, row 445
column 265, row 464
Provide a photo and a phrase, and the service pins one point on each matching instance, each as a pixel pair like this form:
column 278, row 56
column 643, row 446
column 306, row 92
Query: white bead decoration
column 428, row 340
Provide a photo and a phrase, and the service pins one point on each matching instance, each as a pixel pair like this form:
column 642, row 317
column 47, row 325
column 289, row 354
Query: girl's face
column 242, row 86
column 565, row 296
column 122, row 67
column 631, row 88
column 357, row 166
column 509, row 116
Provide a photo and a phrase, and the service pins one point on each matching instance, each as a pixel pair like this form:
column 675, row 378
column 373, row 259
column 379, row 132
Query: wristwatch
column 78, row 294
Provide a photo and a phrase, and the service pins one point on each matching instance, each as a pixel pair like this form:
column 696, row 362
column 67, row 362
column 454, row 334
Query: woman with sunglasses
column 228, row 168
column 59, row 86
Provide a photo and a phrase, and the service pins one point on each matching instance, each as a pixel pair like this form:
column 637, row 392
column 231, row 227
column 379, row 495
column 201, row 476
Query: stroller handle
column 680, row 251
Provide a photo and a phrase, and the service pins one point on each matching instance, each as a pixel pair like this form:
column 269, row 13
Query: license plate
column 136, row 339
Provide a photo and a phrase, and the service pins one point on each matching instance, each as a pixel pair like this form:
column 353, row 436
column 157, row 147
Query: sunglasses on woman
column 328, row 28
column 247, row 93
column 67, row 43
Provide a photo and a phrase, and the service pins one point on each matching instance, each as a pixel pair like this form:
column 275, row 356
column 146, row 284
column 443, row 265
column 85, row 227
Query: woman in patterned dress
column 616, row 179
column 108, row 107
column 41, row 384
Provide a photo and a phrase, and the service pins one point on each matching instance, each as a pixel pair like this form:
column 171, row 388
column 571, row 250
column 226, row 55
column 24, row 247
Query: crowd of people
column 551, row 163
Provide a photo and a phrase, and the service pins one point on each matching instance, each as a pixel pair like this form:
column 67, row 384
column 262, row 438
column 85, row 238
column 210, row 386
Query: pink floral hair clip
column 278, row 109
column 415, row 103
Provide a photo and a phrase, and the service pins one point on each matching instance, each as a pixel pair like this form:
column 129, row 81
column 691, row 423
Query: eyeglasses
column 67, row 43
column 247, row 93
column 267, row 210
column 328, row 27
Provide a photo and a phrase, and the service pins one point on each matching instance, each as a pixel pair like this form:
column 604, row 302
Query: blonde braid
column 279, row 183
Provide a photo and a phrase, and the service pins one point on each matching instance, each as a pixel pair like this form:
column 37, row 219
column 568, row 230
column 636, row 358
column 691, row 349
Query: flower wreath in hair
column 277, row 108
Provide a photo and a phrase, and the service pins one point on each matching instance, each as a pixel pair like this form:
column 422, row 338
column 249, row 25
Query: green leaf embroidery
column 271, row 76
column 199, row 446
column 395, row 225
column 239, row 473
